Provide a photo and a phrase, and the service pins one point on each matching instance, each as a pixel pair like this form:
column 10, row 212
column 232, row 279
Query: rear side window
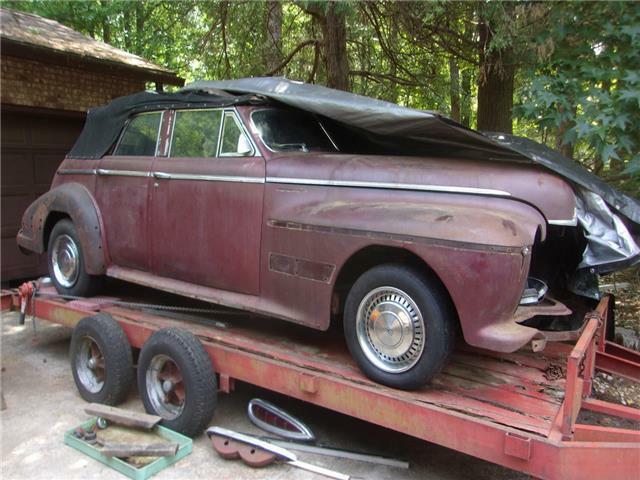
column 195, row 133
column 140, row 136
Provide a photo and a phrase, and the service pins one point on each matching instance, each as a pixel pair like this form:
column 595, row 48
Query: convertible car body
column 308, row 204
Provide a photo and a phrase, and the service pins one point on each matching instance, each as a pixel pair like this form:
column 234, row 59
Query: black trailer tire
column 101, row 360
column 399, row 325
column 65, row 258
column 176, row 381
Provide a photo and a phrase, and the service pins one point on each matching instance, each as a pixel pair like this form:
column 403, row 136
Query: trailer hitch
column 26, row 292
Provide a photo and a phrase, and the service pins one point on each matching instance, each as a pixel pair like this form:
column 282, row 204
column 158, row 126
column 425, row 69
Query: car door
column 122, row 191
column 206, row 203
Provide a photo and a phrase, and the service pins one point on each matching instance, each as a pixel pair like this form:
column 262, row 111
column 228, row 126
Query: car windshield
column 285, row 130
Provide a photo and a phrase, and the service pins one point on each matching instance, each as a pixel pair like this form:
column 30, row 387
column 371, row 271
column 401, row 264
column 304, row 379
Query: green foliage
column 586, row 84
column 577, row 63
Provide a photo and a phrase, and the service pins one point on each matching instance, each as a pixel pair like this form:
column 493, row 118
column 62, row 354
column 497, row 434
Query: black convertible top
column 104, row 124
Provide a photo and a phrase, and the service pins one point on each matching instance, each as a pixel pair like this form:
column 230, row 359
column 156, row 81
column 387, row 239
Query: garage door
column 33, row 145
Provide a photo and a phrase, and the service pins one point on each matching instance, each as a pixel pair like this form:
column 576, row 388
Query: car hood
column 415, row 132
column 532, row 184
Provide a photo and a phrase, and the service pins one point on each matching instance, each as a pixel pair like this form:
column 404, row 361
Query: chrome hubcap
column 89, row 365
column 165, row 387
column 65, row 259
column 390, row 329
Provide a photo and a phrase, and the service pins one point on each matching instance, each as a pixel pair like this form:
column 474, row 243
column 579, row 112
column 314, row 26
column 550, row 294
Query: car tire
column 176, row 381
column 399, row 325
column 101, row 360
column 65, row 258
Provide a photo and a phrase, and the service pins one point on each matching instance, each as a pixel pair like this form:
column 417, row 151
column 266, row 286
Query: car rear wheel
column 66, row 262
column 398, row 326
column 176, row 381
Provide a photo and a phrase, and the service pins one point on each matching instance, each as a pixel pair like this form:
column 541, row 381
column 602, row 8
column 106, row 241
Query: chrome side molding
column 122, row 173
column 76, row 171
column 389, row 185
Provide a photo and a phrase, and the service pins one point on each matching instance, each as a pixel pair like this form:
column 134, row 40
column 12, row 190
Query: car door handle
column 162, row 175
column 102, row 171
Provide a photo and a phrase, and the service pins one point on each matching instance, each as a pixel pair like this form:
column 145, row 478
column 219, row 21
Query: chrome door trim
column 207, row 178
column 391, row 186
column 76, row 171
column 161, row 175
column 122, row 173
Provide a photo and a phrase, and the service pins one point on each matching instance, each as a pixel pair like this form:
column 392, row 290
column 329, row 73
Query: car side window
column 234, row 141
column 140, row 137
column 195, row 133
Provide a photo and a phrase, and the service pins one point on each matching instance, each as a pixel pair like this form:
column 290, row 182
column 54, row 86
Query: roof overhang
column 15, row 48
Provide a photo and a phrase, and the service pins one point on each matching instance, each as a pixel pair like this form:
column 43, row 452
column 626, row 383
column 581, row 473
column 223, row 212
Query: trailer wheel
column 176, row 381
column 101, row 360
column 398, row 325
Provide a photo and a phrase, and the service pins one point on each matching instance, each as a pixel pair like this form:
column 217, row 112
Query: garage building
column 51, row 76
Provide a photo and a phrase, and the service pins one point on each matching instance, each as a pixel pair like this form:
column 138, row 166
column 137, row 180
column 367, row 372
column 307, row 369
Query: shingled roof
column 31, row 36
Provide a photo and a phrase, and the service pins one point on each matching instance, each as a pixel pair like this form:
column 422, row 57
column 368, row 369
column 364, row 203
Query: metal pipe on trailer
column 566, row 450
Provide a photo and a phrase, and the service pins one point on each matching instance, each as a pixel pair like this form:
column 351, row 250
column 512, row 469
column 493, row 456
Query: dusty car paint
column 73, row 200
column 276, row 233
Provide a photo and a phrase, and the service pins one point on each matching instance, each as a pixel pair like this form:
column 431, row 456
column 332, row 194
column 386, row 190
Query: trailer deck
column 518, row 410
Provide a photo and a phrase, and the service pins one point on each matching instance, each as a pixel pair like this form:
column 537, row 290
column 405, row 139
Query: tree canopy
column 563, row 73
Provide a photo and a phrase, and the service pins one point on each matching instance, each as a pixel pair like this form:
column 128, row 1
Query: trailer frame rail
column 516, row 418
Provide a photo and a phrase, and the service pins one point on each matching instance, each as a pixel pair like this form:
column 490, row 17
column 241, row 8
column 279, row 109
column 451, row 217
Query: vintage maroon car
column 307, row 204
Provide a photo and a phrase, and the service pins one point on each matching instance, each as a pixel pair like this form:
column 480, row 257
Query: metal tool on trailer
column 520, row 410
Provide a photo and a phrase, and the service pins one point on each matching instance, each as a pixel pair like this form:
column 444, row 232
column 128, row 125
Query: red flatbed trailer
column 517, row 410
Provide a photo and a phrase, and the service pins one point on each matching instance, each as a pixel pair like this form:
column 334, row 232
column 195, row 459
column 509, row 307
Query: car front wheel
column 66, row 262
column 398, row 326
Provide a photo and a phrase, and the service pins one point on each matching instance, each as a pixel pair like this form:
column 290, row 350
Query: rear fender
column 74, row 200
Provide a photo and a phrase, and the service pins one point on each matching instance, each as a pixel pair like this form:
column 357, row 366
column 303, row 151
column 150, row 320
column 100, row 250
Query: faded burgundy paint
column 124, row 204
column 530, row 184
column 74, row 200
column 214, row 240
column 497, row 277
column 207, row 232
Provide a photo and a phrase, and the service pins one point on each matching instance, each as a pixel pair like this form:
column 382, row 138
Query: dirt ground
column 42, row 403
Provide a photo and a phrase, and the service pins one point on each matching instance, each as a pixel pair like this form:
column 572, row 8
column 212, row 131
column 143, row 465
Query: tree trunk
column 495, row 85
column 392, row 92
column 465, row 100
column 567, row 148
column 127, row 27
column 335, row 48
column 454, row 88
column 140, row 20
column 273, row 47
column 106, row 26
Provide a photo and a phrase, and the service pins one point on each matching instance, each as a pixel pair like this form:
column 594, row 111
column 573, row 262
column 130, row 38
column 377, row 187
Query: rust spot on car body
column 299, row 267
column 509, row 225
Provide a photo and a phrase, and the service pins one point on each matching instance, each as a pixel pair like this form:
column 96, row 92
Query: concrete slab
column 42, row 403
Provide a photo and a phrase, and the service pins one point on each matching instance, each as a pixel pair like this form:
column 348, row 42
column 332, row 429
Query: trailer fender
column 75, row 201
